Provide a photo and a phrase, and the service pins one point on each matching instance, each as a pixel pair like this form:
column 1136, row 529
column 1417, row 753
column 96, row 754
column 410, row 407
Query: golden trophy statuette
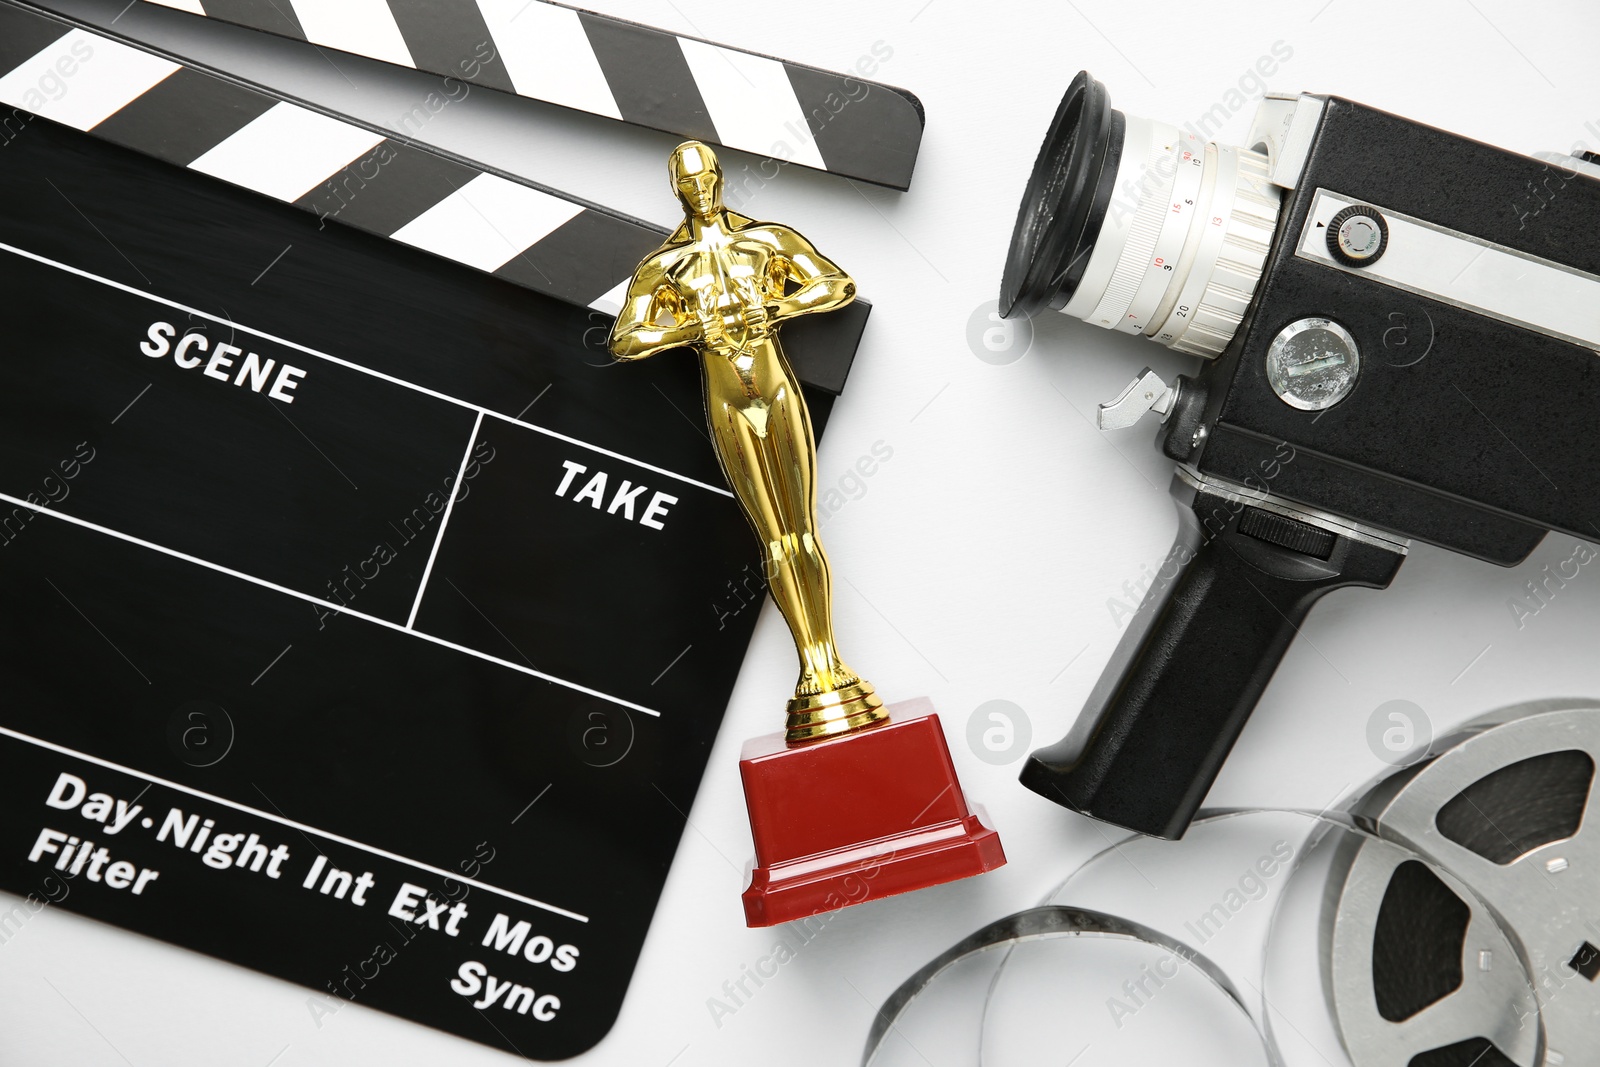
column 839, row 813
column 723, row 284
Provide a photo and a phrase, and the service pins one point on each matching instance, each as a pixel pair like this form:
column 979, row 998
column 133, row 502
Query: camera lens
column 1066, row 202
column 1134, row 225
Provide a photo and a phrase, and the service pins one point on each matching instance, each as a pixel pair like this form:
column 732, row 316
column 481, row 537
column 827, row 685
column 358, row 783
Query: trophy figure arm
column 639, row 331
column 820, row 284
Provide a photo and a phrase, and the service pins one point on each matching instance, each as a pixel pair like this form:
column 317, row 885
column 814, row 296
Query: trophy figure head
column 697, row 179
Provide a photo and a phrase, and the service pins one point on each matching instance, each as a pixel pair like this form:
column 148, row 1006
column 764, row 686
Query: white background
column 979, row 560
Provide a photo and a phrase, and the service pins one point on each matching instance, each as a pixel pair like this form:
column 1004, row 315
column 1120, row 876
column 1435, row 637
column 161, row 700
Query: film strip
column 637, row 74
column 1225, row 964
column 1447, row 919
column 341, row 170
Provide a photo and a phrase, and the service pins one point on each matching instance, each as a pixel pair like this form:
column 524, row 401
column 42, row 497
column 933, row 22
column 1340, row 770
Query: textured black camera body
column 1401, row 329
column 1462, row 430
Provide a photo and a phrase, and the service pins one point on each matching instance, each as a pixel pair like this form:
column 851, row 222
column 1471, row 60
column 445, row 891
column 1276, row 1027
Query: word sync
column 622, row 498
column 472, row 977
column 195, row 349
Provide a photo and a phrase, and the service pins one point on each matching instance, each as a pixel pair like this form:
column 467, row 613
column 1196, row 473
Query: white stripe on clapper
column 487, row 222
column 611, row 300
column 751, row 102
column 365, row 27
column 292, row 824
column 286, row 152
column 82, row 79
column 548, row 55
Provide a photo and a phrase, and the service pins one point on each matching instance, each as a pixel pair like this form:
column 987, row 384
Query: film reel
column 1221, row 965
column 1507, row 810
column 1420, row 973
column 1450, row 919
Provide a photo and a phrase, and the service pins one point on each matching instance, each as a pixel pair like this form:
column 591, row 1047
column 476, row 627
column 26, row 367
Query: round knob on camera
column 1358, row 235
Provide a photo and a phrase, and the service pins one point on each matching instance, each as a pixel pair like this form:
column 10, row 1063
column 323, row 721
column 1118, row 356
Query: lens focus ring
column 1151, row 143
column 1247, row 220
column 1165, row 234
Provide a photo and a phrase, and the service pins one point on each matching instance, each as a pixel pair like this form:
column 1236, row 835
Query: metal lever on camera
column 1145, row 393
column 1233, row 592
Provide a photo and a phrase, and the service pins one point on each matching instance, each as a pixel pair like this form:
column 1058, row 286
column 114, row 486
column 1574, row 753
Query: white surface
column 978, row 562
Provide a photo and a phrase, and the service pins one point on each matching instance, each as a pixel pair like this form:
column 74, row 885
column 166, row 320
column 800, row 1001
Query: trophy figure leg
column 762, row 430
column 845, row 805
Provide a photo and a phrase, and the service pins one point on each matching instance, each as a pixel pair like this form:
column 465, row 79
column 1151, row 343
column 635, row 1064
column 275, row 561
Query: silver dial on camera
column 1312, row 364
column 1358, row 235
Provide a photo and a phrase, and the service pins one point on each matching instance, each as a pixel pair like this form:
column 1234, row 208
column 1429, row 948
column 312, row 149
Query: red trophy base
column 859, row 817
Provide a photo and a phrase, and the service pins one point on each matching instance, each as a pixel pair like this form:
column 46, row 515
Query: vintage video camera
column 1399, row 328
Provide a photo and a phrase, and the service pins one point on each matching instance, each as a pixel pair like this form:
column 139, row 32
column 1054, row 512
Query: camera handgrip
column 1232, row 594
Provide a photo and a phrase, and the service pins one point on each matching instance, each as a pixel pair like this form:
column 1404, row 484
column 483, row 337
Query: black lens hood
column 1066, row 200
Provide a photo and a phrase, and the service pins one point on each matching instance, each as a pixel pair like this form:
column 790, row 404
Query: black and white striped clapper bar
column 838, row 123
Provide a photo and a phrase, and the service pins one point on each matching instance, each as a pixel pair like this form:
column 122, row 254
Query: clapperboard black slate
column 326, row 650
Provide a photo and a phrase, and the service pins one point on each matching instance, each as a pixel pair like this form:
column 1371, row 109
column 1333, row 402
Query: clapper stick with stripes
column 840, row 123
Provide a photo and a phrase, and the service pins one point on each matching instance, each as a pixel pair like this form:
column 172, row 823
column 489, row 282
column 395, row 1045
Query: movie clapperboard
column 363, row 623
